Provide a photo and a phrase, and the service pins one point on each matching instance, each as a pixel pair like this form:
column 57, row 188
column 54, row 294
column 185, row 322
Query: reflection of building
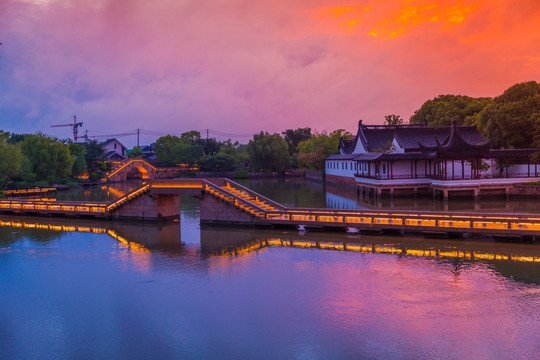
column 395, row 157
column 114, row 150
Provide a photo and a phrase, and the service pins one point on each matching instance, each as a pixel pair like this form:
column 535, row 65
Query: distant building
column 148, row 152
column 114, row 150
column 445, row 158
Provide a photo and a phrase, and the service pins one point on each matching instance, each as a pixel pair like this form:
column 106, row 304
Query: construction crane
column 75, row 126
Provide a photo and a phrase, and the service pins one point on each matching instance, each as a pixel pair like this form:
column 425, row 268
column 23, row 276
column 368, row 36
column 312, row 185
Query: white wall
column 344, row 168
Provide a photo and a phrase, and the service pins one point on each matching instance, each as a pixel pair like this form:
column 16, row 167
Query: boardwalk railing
column 268, row 212
column 61, row 207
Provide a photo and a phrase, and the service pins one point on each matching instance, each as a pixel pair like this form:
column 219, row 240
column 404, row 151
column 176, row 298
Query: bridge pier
column 213, row 210
column 150, row 207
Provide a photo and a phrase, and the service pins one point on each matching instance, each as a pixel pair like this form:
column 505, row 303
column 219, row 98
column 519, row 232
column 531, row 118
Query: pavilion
column 413, row 158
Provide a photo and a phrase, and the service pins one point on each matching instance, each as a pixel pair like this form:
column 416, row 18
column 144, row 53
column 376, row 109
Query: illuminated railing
column 381, row 249
column 129, row 163
column 30, row 191
column 128, row 197
column 500, row 223
column 53, row 206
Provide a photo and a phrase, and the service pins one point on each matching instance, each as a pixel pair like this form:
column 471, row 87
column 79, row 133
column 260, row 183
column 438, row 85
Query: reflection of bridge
column 143, row 238
column 226, row 202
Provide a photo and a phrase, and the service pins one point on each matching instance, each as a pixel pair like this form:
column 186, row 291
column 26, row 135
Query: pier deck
column 226, row 202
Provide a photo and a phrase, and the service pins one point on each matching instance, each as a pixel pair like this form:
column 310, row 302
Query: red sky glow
column 241, row 66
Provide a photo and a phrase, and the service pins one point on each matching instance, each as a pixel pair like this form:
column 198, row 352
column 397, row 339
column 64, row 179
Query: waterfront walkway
column 226, row 202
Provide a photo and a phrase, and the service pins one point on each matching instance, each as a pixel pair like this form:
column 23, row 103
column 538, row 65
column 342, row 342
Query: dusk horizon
column 238, row 68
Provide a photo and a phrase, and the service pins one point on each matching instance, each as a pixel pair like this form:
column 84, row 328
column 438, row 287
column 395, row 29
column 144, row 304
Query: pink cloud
column 243, row 66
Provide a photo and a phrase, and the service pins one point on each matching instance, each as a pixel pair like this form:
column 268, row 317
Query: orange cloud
column 390, row 19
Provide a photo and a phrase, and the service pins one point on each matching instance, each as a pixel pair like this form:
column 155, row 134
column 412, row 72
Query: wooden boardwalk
column 246, row 207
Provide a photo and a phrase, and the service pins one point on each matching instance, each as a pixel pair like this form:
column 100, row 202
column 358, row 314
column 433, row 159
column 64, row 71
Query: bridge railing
column 407, row 219
column 53, row 206
column 225, row 181
column 175, row 183
column 237, row 199
column 127, row 197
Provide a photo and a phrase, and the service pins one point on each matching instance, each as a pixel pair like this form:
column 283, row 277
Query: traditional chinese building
column 412, row 158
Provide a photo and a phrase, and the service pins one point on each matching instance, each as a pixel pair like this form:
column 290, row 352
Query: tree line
column 38, row 159
column 512, row 119
column 292, row 149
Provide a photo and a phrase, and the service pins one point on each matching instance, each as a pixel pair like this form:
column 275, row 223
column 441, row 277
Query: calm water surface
column 73, row 289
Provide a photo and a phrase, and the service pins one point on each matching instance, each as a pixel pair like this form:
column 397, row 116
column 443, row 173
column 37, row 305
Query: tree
column 512, row 119
column 11, row 159
column 95, row 157
column 79, row 165
column 229, row 158
column 312, row 152
column 268, row 152
column 294, row 137
column 172, row 150
column 210, row 146
column 193, row 137
column 393, row 119
column 50, row 159
column 136, row 152
column 441, row 110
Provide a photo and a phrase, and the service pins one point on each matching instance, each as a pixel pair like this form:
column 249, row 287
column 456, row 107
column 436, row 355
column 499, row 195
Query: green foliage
column 312, row 152
column 241, row 174
column 229, row 158
column 393, row 119
column 172, row 150
column 192, row 137
column 50, row 159
column 79, row 165
column 268, row 152
column 441, row 110
column 95, row 156
column 512, row 119
column 210, row 146
column 294, row 137
column 11, row 160
column 136, row 152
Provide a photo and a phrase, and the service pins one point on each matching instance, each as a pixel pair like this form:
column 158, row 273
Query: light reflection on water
column 131, row 290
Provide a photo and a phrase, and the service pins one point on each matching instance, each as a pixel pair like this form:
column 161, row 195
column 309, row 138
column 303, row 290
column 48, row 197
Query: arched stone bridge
column 138, row 168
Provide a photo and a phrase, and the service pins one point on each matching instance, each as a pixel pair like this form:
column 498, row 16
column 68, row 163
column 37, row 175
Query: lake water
column 85, row 289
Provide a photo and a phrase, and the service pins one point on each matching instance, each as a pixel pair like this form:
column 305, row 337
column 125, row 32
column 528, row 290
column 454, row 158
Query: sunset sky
column 241, row 66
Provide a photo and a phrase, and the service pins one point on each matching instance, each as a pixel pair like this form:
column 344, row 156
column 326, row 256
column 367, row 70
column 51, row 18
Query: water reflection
column 143, row 238
column 298, row 192
column 137, row 290
column 100, row 192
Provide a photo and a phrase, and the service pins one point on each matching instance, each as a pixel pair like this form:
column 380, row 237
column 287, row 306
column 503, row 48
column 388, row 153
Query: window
column 384, row 169
column 115, row 145
column 346, row 166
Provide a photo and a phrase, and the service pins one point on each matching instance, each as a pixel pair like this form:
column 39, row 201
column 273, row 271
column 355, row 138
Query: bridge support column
column 150, row 207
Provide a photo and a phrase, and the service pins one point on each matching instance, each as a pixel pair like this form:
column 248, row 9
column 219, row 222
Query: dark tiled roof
column 341, row 157
column 410, row 137
column 460, row 144
column 114, row 155
column 347, row 146
column 368, row 156
column 108, row 141
column 510, row 153
column 406, row 156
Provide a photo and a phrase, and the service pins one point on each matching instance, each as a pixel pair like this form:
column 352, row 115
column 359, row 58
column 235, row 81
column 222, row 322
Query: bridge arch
column 133, row 166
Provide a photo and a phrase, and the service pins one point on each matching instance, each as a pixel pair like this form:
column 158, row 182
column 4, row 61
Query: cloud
column 241, row 66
